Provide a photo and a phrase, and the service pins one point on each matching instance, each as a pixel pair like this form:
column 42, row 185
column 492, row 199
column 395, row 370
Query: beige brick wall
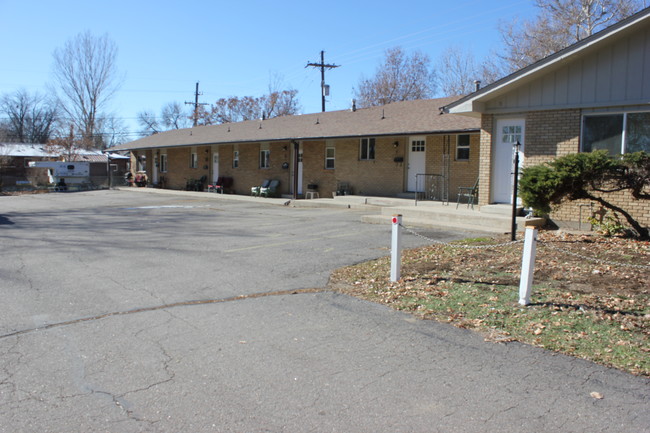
column 178, row 166
column 379, row 177
column 382, row 176
column 550, row 134
column 313, row 163
column 485, row 158
column 461, row 172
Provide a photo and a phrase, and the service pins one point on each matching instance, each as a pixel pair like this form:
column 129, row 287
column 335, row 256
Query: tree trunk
column 642, row 232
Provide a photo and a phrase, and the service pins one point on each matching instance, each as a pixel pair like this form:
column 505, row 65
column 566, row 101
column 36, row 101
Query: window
column 265, row 158
column 462, row 147
column 163, row 162
column 638, row 132
column 511, row 134
column 367, row 150
column 194, row 160
column 418, row 145
column 329, row 158
column 616, row 133
column 235, row 159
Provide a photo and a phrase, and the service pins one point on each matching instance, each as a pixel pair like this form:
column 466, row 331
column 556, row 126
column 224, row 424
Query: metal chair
column 468, row 192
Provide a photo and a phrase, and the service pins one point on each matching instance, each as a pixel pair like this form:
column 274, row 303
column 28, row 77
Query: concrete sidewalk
column 495, row 219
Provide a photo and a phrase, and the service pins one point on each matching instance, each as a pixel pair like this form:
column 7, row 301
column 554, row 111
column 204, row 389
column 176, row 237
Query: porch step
column 501, row 209
column 438, row 215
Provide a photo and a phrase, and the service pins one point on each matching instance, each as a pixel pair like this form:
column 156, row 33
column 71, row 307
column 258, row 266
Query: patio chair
column 468, row 192
column 271, row 190
column 343, row 188
column 216, row 186
column 255, row 191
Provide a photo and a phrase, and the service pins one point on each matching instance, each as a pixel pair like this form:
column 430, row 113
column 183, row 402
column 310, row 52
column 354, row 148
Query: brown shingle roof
column 398, row 118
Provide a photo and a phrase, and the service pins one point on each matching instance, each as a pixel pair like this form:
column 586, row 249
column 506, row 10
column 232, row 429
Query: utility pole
column 196, row 104
column 322, row 65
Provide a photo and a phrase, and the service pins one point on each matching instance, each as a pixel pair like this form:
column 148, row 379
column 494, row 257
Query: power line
column 322, row 65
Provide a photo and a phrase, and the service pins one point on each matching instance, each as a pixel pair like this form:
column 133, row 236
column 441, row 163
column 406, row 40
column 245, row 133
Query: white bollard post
column 396, row 249
column 527, row 265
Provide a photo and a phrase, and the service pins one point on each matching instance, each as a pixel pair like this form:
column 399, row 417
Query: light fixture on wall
column 396, row 144
column 284, row 148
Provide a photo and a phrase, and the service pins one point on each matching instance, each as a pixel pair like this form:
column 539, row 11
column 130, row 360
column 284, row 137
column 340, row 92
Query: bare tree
column 399, row 78
column 582, row 18
column 458, row 71
column 278, row 102
column 148, row 122
column 236, row 109
column 85, row 72
column 174, row 116
column 114, row 131
column 31, row 118
column 68, row 146
column 559, row 24
column 231, row 109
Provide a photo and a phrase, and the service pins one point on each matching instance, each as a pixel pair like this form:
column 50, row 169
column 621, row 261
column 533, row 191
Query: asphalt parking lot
column 128, row 311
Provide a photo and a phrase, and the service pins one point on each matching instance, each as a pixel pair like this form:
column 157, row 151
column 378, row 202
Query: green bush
column 579, row 175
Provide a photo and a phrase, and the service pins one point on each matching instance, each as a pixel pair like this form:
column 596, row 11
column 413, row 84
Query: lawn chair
column 255, row 191
column 468, row 192
column 216, row 186
column 271, row 190
column 343, row 188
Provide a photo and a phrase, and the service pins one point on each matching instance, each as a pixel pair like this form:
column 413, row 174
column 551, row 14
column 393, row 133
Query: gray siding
column 616, row 74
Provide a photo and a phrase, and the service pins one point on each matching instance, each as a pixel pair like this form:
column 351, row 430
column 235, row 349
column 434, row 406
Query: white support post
column 527, row 265
column 396, row 249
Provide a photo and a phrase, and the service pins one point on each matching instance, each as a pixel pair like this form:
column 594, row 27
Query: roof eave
column 310, row 138
column 475, row 102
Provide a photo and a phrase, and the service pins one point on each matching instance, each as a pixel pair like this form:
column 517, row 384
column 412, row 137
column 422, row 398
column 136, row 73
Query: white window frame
column 369, row 145
column 163, row 162
column 265, row 156
column 235, row 159
column 330, row 160
column 464, row 147
column 624, row 132
column 194, row 158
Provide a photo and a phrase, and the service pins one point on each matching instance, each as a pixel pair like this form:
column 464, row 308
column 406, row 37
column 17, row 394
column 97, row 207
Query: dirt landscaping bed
column 591, row 294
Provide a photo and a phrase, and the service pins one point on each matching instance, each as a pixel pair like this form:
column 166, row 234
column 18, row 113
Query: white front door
column 508, row 133
column 215, row 168
column 416, row 164
column 299, row 172
column 154, row 170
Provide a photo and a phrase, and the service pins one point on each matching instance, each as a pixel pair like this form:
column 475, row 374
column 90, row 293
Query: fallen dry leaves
column 566, row 285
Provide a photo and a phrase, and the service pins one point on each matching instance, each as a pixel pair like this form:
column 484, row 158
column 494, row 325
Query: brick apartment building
column 375, row 151
column 594, row 94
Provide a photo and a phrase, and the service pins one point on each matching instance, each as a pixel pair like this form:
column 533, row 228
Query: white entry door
column 416, row 164
column 508, row 133
column 154, row 170
column 299, row 172
column 215, row 168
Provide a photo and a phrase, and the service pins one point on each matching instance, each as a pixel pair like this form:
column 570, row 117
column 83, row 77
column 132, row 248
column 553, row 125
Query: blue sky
column 237, row 47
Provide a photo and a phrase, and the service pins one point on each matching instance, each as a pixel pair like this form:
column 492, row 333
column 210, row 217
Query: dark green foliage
column 579, row 175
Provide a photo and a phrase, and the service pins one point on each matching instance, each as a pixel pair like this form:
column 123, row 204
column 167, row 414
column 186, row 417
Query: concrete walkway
column 496, row 219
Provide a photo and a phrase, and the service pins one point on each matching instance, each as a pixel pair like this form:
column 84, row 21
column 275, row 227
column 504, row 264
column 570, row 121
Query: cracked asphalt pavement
column 139, row 312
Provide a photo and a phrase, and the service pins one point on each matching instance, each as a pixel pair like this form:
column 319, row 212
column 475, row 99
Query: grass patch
column 576, row 309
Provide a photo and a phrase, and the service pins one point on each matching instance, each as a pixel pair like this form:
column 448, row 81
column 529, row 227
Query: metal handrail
column 429, row 186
